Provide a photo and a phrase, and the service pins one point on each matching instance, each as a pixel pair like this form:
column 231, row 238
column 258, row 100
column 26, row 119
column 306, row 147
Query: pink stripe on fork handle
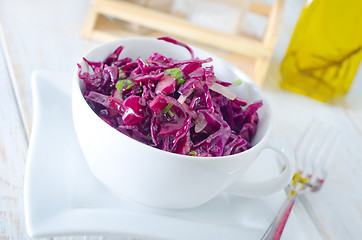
column 279, row 231
column 275, row 230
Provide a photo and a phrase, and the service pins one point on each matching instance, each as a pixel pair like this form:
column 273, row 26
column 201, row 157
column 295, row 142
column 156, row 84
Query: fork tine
column 303, row 145
column 316, row 150
column 302, row 153
column 307, row 148
column 318, row 155
column 328, row 140
column 327, row 153
column 313, row 148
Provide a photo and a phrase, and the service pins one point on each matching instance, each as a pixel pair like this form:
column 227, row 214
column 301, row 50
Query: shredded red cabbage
column 167, row 104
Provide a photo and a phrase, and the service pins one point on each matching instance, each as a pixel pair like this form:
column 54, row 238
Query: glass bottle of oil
column 325, row 50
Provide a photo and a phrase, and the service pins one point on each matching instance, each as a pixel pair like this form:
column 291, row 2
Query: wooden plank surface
column 13, row 149
column 47, row 35
column 39, row 35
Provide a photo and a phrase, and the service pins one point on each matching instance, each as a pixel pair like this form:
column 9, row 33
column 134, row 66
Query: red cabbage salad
column 176, row 106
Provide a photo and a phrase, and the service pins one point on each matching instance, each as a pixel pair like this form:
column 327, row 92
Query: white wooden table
column 45, row 34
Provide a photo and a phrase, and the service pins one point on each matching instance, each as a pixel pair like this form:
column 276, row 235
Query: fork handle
column 275, row 230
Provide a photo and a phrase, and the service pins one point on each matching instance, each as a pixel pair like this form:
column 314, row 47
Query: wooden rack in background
column 114, row 19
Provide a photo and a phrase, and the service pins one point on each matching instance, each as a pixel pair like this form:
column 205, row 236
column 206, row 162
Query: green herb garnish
column 193, row 153
column 130, row 85
column 171, row 114
column 167, row 108
column 236, row 83
column 121, row 73
column 122, row 83
column 144, row 61
column 177, row 74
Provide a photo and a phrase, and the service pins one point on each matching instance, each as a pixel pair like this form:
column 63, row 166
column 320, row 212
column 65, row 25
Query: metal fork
column 314, row 153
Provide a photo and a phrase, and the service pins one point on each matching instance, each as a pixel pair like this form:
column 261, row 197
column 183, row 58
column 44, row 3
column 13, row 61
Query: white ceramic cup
column 162, row 179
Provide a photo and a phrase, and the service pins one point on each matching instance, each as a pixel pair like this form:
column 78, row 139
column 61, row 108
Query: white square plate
column 63, row 198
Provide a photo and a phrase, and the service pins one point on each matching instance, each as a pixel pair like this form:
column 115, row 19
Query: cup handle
column 267, row 187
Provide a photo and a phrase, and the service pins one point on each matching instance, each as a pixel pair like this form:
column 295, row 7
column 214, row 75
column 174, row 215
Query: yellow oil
column 325, row 49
